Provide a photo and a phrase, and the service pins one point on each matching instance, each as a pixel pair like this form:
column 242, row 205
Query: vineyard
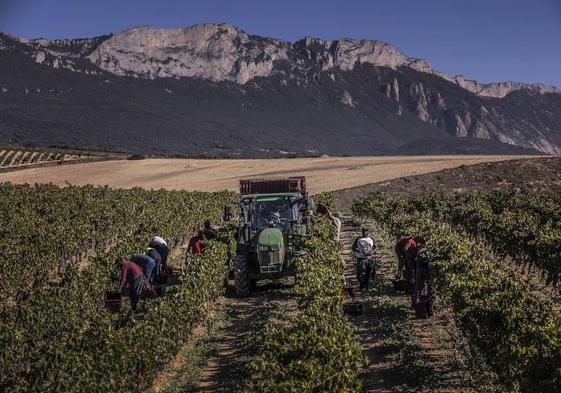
column 517, row 333
column 59, row 247
column 524, row 226
column 12, row 158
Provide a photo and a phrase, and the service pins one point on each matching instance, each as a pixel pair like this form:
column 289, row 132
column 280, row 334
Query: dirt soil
column 237, row 343
column 323, row 174
column 217, row 358
column 529, row 174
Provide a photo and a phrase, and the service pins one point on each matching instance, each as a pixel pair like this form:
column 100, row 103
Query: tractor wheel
column 241, row 277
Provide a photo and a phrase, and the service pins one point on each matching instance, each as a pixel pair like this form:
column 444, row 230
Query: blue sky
column 487, row 40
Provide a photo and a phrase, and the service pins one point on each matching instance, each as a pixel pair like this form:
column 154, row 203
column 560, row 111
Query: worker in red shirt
column 406, row 250
column 195, row 246
column 132, row 274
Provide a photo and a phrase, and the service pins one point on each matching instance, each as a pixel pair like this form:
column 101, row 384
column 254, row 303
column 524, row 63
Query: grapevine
column 518, row 333
column 54, row 334
column 317, row 351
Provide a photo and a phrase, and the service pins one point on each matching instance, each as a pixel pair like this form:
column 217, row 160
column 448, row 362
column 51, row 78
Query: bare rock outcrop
column 221, row 52
column 206, row 51
column 496, row 90
column 395, row 90
column 347, row 99
column 419, row 101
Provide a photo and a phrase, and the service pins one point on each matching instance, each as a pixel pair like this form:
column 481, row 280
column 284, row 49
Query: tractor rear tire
column 241, row 276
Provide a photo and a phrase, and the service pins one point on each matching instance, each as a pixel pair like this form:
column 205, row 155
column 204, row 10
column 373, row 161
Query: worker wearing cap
column 364, row 247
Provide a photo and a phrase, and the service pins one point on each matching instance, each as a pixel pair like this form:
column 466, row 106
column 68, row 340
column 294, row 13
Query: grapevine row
column 316, row 351
column 60, row 319
column 12, row 158
column 524, row 226
column 45, row 229
column 517, row 333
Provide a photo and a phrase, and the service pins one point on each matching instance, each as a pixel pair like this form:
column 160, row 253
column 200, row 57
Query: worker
column 323, row 209
column 270, row 217
column 274, row 218
column 148, row 266
column 162, row 247
column 422, row 278
column 195, row 246
column 364, row 247
column 405, row 250
column 210, row 233
column 132, row 275
column 155, row 255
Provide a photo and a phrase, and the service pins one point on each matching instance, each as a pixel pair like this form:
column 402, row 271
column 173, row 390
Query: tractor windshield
column 271, row 212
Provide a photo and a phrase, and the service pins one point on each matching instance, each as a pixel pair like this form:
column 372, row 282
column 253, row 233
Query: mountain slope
column 216, row 90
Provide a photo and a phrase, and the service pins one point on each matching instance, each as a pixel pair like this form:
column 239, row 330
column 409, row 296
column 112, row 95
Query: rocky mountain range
column 215, row 90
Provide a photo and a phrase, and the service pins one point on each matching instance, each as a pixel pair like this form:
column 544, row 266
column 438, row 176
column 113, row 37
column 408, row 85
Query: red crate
column 353, row 308
column 113, row 301
column 349, row 291
column 420, row 310
column 271, row 186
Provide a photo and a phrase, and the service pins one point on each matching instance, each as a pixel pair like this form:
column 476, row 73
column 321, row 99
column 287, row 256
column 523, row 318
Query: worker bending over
column 148, row 266
column 422, row 278
column 132, row 275
column 210, row 233
column 162, row 247
column 195, row 246
column 406, row 250
column 155, row 255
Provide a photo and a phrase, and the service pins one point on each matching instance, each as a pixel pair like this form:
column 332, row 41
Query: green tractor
column 274, row 217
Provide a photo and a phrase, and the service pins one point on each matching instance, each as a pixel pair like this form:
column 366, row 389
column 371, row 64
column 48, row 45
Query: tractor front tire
column 241, row 276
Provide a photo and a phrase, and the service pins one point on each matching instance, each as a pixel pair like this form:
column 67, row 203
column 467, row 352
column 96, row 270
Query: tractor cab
column 271, row 211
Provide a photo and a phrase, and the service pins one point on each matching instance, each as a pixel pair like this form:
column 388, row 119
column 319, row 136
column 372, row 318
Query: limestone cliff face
column 207, row 51
column 224, row 53
column 496, row 90
column 469, row 119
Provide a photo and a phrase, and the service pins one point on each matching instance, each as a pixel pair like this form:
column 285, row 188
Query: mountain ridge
column 389, row 101
column 388, row 55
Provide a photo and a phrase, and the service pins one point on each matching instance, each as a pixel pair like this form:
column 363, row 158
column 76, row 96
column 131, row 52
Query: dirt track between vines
column 237, row 343
column 217, row 358
column 323, row 174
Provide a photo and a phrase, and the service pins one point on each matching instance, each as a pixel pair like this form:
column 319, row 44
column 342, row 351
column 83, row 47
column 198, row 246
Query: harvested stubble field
column 323, row 174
